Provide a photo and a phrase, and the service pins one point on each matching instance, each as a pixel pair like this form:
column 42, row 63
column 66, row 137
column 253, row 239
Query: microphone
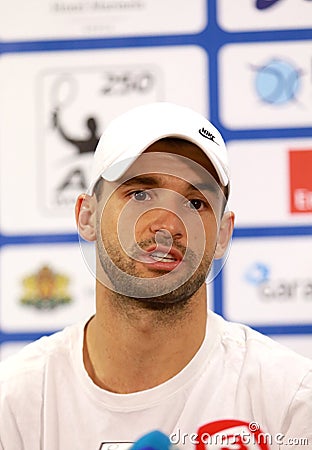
column 155, row 440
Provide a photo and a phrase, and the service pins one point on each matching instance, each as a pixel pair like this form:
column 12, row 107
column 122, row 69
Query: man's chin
column 150, row 305
column 152, row 288
column 162, row 297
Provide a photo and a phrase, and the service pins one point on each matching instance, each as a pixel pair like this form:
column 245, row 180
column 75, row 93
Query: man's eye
column 196, row 204
column 140, row 196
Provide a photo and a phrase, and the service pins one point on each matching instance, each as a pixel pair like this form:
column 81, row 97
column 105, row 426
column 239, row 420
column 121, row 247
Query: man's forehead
column 158, row 165
column 174, row 157
column 177, row 146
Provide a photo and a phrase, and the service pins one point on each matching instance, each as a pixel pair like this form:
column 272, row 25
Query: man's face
column 157, row 226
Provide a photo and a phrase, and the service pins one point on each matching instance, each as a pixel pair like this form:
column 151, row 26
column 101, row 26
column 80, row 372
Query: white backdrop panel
column 32, row 301
column 101, row 84
column 261, row 189
column 268, row 281
column 266, row 85
column 245, row 15
column 55, row 19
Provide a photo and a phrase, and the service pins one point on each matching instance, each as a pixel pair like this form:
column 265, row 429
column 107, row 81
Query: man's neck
column 134, row 349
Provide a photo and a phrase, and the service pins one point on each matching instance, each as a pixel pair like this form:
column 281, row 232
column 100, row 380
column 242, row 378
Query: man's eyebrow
column 153, row 182
column 141, row 179
column 212, row 187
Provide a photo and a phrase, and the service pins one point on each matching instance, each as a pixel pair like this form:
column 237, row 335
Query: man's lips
column 161, row 257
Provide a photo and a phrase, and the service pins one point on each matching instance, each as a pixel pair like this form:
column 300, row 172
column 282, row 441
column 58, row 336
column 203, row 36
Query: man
column 153, row 357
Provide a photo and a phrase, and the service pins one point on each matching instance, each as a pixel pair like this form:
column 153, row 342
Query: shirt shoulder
column 241, row 338
column 264, row 365
column 270, row 383
column 261, row 349
column 32, row 360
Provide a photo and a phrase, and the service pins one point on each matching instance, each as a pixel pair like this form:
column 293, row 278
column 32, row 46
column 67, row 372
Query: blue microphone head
column 155, row 440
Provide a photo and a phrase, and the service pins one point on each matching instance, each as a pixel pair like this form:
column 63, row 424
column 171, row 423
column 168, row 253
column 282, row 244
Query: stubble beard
column 131, row 291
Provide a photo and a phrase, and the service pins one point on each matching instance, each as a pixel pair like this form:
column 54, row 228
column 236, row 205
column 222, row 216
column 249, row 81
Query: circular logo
column 257, row 274
column 277, row 82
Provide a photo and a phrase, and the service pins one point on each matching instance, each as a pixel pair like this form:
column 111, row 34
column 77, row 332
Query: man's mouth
column 162, row 258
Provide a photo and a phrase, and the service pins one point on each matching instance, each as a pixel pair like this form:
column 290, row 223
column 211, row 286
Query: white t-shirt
column 238, row 381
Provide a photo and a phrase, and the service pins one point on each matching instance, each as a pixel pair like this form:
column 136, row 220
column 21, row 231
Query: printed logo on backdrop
column 265, row 4
column 45, row 289
column 277, row 82
column 272, row 288
column 74, row 108
column 300, row 183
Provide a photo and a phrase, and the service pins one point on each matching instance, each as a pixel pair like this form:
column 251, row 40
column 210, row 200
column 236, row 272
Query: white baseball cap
column 131, row 133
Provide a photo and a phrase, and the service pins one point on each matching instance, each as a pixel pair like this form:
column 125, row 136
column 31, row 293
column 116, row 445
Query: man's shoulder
column 32, row 360
column 258, row 351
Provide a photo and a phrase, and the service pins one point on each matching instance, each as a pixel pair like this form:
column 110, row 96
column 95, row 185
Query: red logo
column 300, row 171
column 231, row 435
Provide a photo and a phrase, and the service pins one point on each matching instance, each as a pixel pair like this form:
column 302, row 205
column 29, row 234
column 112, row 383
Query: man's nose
column 166, row 223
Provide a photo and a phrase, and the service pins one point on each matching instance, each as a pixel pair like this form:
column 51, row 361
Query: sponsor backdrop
column 67, row 67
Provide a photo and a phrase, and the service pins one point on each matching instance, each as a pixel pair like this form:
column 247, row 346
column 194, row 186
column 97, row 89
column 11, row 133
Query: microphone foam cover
column 155, row 440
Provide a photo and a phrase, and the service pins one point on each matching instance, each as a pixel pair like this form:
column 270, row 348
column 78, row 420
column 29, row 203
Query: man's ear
column 225, row 234
column 85, row 212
